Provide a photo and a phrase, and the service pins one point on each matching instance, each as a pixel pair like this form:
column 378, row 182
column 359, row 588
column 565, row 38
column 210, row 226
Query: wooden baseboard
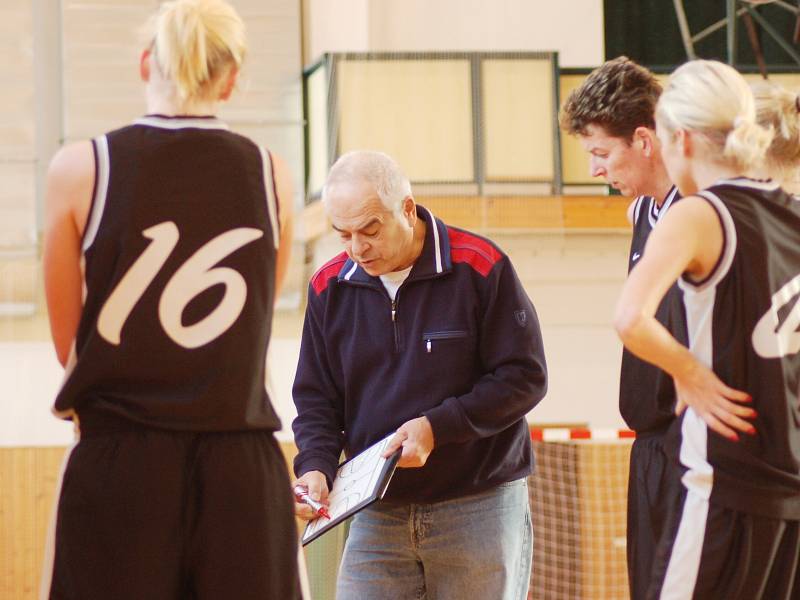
column 531, row 212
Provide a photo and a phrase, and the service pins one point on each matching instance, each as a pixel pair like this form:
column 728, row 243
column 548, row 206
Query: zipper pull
column 428, row 346
column 394, row 311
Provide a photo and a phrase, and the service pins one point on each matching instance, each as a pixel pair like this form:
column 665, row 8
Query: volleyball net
column 578, row 497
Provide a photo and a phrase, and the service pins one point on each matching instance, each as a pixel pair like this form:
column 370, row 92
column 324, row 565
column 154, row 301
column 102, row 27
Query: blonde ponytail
column 195, row 42
column 714, row 100
column 747, row 143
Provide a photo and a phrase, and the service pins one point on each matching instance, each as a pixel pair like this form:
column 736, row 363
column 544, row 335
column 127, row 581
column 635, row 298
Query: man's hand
column 715, row 402
column 317, row 486
column 415, row 437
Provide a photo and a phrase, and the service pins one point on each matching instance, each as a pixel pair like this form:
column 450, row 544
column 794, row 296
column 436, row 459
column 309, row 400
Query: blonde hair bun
column 196, row 41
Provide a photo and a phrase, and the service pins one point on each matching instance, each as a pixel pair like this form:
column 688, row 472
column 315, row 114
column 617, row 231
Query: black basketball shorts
column 147, row 513
column 654, row 491
column 711, row 552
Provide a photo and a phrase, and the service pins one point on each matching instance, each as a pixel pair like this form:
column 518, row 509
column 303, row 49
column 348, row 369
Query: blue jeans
column 478, row 546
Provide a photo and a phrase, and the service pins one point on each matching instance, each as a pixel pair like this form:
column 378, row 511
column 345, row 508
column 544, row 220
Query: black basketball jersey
column 646, row 393
column 179, row 268
column 744, row 322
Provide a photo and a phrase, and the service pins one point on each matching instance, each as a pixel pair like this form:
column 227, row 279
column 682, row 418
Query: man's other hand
column 415, row 437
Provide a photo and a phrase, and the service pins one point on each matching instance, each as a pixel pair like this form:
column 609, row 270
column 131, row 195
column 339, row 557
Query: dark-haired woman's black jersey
column 179, row 258
column 646, row 393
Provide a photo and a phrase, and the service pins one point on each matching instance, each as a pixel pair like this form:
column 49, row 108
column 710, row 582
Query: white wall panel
column 17, row 126
column 335, row 26
column 101, row 47
column 574, row 29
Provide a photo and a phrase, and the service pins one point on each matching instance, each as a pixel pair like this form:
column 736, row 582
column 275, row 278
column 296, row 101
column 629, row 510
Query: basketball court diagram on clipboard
column 359, row 482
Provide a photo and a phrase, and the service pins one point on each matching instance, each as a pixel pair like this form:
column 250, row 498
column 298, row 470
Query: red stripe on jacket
column 478, row 253
column 326, row 272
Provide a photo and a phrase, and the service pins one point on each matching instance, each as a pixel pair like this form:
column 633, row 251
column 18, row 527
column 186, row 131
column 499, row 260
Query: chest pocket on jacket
column 438, row 341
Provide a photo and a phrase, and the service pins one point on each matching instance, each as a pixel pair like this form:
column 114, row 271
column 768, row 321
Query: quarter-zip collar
column 433, row 261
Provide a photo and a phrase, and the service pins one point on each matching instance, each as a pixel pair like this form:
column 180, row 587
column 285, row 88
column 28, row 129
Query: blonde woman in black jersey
column 733, row 244
column 165, row 244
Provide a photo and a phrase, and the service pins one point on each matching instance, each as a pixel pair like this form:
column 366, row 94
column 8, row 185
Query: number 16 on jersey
column 193, row 277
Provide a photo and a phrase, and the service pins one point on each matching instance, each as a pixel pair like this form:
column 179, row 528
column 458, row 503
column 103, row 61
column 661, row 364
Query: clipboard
column 359, row 482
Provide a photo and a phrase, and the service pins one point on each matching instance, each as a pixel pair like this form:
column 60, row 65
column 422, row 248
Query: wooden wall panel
column 518, row 119
column 427, row 130
column 28, row 478
column 574, row 159
column 531, row 212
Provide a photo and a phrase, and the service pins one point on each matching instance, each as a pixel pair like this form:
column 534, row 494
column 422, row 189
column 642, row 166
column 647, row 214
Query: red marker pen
column 319, row 508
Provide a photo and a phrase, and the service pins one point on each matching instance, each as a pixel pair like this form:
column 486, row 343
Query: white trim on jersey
column 686, row 552
column 699, row 306
column 181, row 123
column 655, row 212
column 671, row 195
column 638, row 208
column 272, row 201
column 100, row 191
column 48, row 562
column 72, row 360
column 767, row 186
column 436, row 243
column 728, row 250
column 652, row 212
column 684, row 561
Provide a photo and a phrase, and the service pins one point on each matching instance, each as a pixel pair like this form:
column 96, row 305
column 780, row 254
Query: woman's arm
column 283, row 184
column 688, row 240
column 68, row 196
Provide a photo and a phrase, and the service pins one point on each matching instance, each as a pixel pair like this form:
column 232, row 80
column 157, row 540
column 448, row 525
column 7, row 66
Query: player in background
column 613, row 114
column 165, row 245
column 733, row 245
column 779, row 108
